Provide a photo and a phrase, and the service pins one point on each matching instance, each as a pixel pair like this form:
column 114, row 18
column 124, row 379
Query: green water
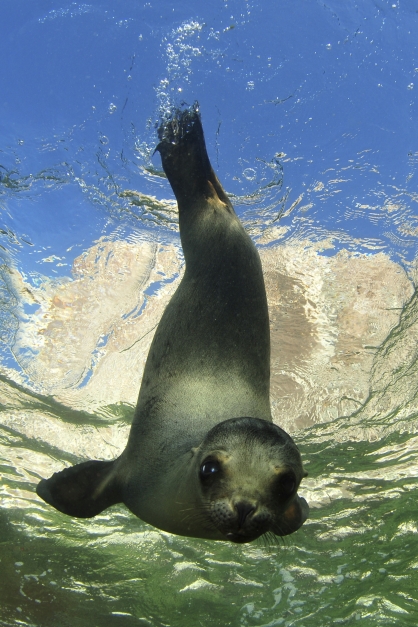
column 355, row 559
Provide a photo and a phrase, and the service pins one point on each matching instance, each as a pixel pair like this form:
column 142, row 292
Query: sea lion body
column 203, row 457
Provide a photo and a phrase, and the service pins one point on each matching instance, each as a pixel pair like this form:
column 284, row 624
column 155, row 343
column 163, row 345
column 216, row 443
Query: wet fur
column 205, row 387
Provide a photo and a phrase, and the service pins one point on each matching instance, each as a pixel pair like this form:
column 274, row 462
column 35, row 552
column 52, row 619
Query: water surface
column 310, row 113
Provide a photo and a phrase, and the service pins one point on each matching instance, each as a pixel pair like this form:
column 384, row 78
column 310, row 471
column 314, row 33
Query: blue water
column 311, row 121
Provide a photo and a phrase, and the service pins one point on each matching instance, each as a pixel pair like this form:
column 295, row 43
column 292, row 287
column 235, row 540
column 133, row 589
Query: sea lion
column 203, row 458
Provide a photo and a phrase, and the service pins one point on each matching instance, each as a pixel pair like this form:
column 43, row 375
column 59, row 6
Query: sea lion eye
column 287, row 483
column 209, row 468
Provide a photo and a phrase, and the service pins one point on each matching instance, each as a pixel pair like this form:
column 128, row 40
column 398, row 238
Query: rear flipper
column 83, row 490
column 185, row 159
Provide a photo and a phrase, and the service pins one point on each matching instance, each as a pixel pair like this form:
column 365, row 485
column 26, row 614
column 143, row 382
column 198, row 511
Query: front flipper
column 83, row 490
column 294, row 516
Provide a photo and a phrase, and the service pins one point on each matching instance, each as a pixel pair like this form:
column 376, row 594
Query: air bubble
column 250, row 174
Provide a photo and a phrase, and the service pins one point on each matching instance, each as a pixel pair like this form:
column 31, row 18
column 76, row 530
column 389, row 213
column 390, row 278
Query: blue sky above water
column 326, row 89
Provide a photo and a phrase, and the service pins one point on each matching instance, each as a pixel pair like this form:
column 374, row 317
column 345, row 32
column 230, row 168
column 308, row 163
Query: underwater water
column 310, row 115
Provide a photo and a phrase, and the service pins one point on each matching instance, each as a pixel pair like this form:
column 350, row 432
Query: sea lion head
column 249, row 471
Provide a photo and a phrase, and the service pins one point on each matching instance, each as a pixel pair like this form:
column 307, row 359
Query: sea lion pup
column 204, row 458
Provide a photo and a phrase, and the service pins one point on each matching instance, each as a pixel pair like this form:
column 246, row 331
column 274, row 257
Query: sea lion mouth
column 238, row 538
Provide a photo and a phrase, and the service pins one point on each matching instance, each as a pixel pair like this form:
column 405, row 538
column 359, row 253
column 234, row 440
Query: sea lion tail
column 83, row 490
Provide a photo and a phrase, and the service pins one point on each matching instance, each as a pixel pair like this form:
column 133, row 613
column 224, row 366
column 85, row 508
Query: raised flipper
column 185, row 159
column 83, row 490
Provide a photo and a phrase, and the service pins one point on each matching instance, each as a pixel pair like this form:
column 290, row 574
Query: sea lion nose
column 244, row 510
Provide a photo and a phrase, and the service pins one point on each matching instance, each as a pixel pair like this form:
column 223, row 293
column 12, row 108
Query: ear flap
column 83, row 490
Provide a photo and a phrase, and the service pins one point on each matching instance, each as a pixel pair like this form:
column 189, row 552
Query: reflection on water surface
column 343, row 383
